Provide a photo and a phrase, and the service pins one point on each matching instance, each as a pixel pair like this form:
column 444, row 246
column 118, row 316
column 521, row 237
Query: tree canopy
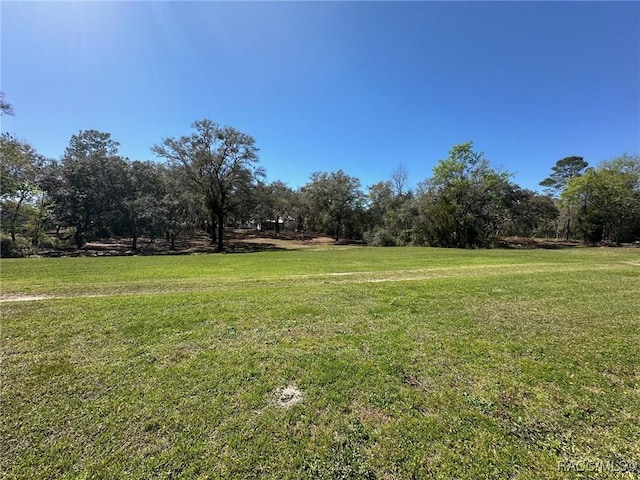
column 607, row 199
column 334, row 198
column 218, row 161
column 210, row 180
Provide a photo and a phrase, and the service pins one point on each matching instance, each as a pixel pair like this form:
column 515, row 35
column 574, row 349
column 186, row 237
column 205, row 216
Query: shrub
column 20, row 248
column 380, row 237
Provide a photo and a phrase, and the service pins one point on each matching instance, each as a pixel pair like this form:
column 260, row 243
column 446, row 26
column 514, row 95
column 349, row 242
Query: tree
column 20, row 166
column 180, row 208
column 282, row 204
column 301, row 209
column 389, row 213
column 608, row 200
column 399, row 181
column 563, row 171
column 379, row 208
column 218, row 162
column 5, row 107
column 334, row 197
column 88, row 185
column 142, row 202
column 463, row 204
column 529, row 213
column 269, row 203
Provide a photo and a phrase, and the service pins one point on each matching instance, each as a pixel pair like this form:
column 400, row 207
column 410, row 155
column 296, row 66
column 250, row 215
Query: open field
column 400, row 363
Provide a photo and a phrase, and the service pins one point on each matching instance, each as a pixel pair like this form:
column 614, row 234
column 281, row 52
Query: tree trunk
column 212, row 231
column 78, row 236
column 134, row 236
column 35, row 237
column 14, row 219
column 220, row 246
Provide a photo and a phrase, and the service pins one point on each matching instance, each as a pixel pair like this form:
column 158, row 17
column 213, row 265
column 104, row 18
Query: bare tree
column 399, row 181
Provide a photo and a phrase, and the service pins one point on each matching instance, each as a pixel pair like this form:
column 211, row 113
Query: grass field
column 409, row 363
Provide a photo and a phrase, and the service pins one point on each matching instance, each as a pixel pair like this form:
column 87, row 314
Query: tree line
column 211, row 179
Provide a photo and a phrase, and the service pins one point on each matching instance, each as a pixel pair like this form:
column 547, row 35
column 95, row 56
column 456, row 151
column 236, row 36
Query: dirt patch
column 527, row 242
column 369, row 414
column 235, row 241
column 374, row 415
column 288, row 396
column 243, row 240
column 24, row 298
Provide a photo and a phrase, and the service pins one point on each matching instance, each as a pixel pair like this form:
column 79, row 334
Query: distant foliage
column 379, row 237
column 210, row 180
column 466, row 202
column 218, row 163
column 607, row 201
column 336, row 202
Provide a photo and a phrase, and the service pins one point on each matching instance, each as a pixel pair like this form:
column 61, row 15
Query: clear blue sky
column 322, row 86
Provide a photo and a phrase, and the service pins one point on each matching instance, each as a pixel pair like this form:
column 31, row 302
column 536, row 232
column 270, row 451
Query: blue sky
column 360, row 86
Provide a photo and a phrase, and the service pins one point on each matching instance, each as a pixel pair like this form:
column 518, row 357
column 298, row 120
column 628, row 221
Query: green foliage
column 379, row 237
column 390, row 213
column 563, row 171
column 179, row 208
column 142, row 210
column 210, row 180
column 530, row 214
column 608, row 200
column 16, row 246
column 88, row 186
column 18, row 166
column 268, row 206
column 20, row 171
column 218, row 163
column 335, row 200
column 463, row 204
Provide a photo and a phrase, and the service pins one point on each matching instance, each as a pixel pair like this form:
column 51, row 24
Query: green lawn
column 411, row 362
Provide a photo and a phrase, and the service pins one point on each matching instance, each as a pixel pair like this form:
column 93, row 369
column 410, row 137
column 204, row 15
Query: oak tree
column 218, row 162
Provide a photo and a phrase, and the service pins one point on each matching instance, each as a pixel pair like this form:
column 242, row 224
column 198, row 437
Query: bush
column 49, row 241
column 20, row 248
column 5, row 247
column 380, row 238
